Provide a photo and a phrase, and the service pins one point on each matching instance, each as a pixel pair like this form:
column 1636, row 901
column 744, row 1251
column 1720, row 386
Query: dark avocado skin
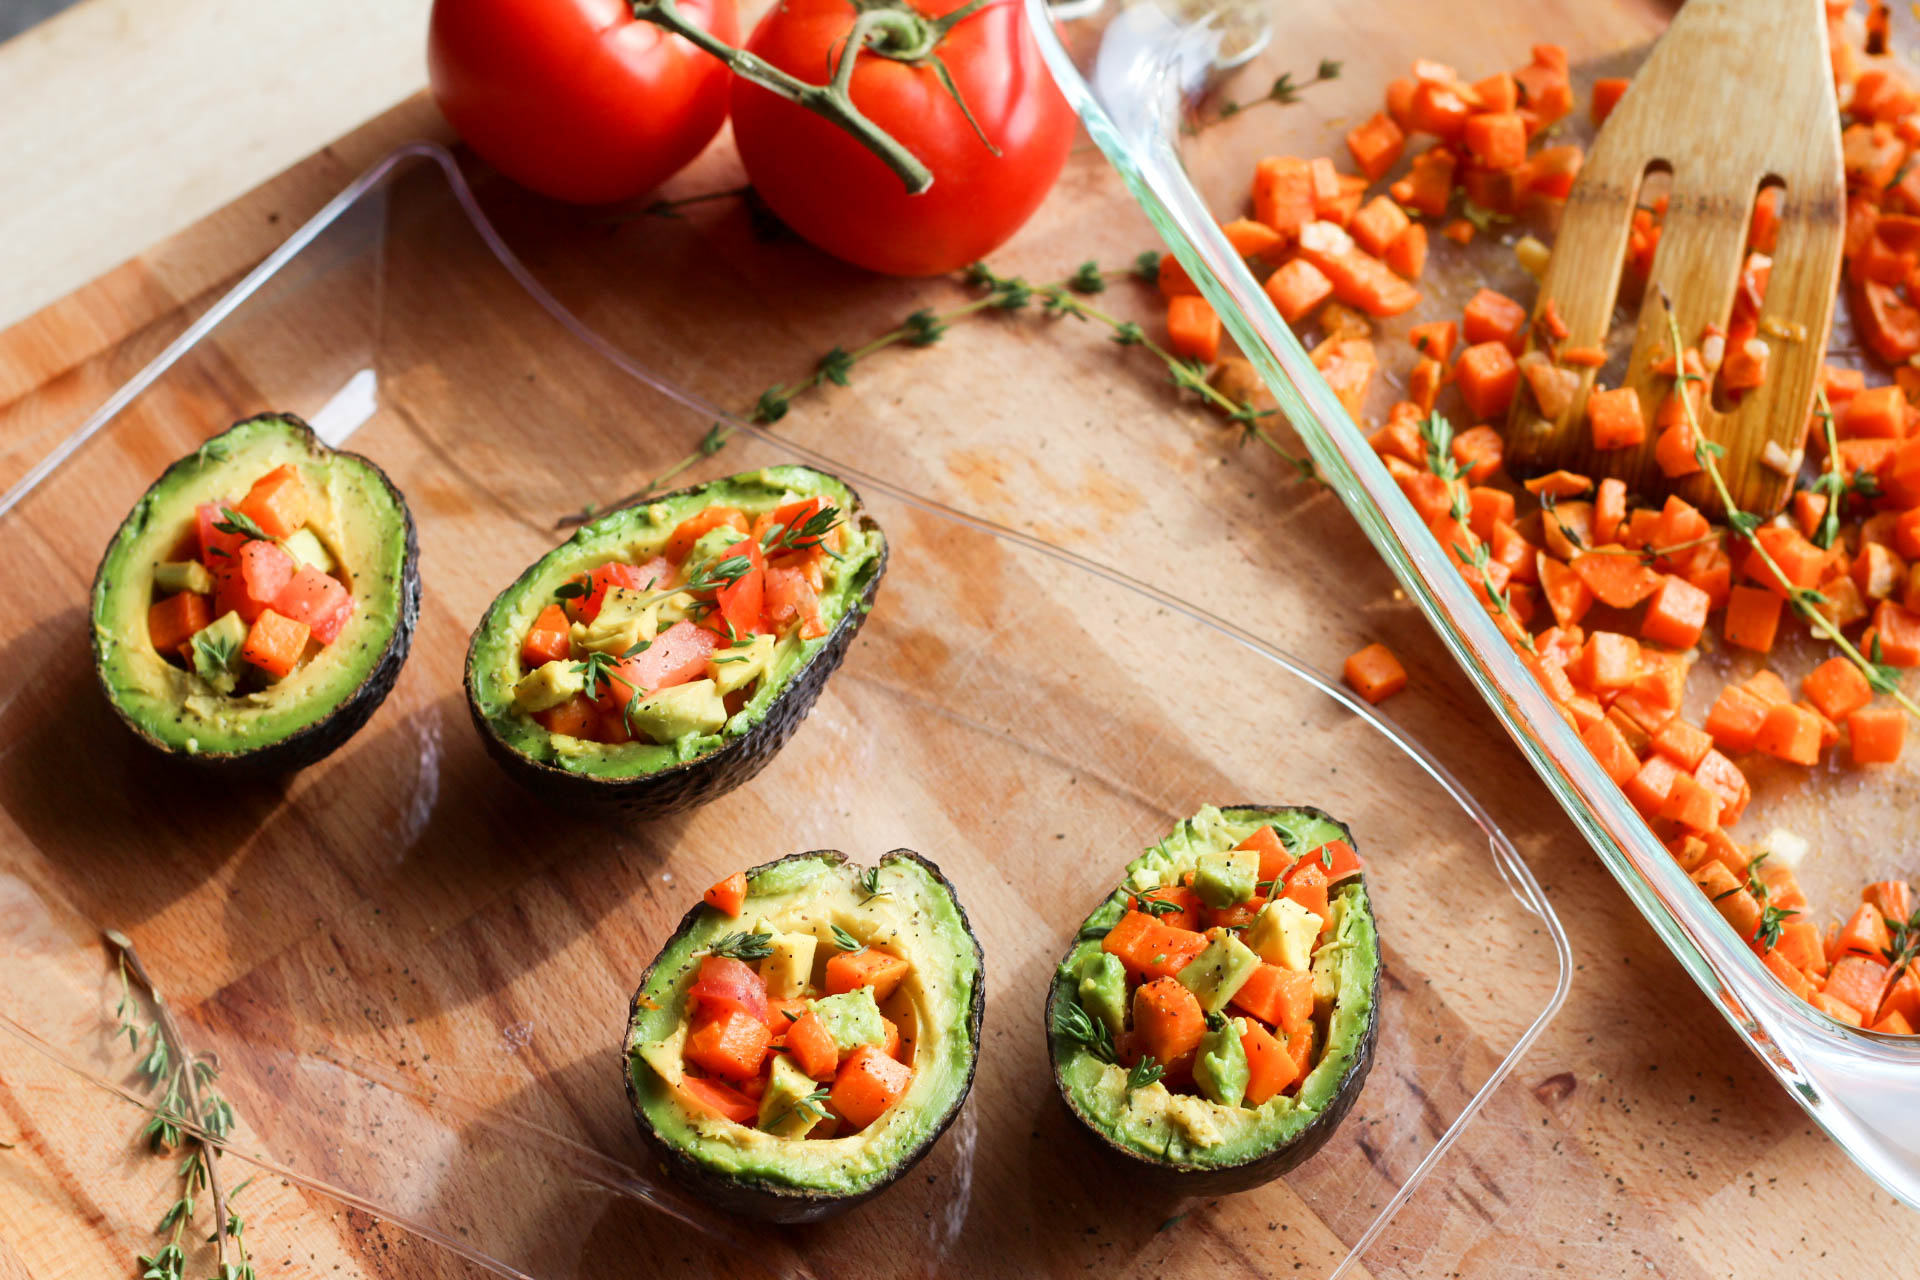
column 1184, row 1179
column 316, row 741
column 773, row 1202
column 693, row 783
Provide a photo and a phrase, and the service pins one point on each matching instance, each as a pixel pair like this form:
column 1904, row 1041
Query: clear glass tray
column 1135, row 71
column 414, row 978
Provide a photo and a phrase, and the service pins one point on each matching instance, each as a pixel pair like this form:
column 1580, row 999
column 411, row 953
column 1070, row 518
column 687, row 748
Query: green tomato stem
column 895, row 33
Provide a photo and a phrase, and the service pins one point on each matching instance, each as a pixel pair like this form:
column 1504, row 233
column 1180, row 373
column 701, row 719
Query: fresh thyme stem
column 1746, row 524
column 184, row 1083
column 1184, row 374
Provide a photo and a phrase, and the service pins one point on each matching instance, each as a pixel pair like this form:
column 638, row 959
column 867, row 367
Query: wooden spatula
column 1737, row 94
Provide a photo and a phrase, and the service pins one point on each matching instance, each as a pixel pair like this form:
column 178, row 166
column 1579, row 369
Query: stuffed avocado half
column 793, row 1056
column 258, row 602
column 663, row 654
column 1215, row 1018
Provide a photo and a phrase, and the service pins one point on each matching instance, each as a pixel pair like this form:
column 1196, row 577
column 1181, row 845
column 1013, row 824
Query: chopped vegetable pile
column 1210, row 980
column 678, row 644
column 783, row 1043
column 251, row 592
column 1608, row 603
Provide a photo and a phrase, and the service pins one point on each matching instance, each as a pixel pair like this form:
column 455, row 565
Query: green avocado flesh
column 916, row 919
column 359, row 523
column 635, row 535
column 1192, row 1130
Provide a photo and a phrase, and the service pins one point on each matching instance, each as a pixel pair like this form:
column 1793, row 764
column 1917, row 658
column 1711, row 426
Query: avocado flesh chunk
column 790, row 963
column 684, row 711
column 1226, row 879
column 1221, row 1068
column 304, row 545
column 1283, row 934
column 739, row 665
column 1216, row 975
column 1193, row 1132
column 360, row 515
column 1103, row 989
column 549, row 685
column 174, row 576
column 216, row 651
column 636, row 535
column 852, row 1019
column 782, row 1109
column 920, row 920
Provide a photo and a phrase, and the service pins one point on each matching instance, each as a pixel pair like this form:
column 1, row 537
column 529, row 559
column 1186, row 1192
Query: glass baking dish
column 414, row 978
column 1138, row 72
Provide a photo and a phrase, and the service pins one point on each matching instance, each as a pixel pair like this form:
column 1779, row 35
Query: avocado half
column 367, row 527
column 743, row 1171
column 643, row 779
column 1286, row 1130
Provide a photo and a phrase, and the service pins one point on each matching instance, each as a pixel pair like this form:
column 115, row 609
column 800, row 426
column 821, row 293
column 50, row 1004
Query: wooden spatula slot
column 1735, row 99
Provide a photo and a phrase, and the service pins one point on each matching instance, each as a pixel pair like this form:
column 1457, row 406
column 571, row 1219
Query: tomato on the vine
column 836, row 193
column 575, row 98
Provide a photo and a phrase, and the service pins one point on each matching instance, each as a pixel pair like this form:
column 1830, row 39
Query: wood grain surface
column 401, row 914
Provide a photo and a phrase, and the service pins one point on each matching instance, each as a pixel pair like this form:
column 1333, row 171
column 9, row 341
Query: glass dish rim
column 1745, row 992
column 1511, row 867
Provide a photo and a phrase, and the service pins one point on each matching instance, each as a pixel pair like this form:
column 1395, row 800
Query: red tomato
column 574, row 98
column 725, row 983
column 654, row 572
column 677, row 655
column 827, row 186
column 740, row 601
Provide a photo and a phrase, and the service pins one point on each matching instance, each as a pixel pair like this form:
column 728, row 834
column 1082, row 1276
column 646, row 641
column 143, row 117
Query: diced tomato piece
column 274, row 644
column 690, row 530
column 651, row 576
column 1306, row 883
column 547, row 640
column 173, row 621
column 789, row 595
column 577, row 717
column 725, row 983
column 741, row 602
column 249, row 585
column 701, row 1094
column 850, row 970
column 677, row 655
column 277, row 502
column 218, row 551
column 319, row 600
column 1150, row 949
column 729, row 894
column 729, row 1043
column 811, row 1046
column 1270, row 1068
column 868, row 1083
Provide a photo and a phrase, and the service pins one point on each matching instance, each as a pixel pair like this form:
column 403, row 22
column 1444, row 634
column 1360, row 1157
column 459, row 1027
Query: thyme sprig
column 1805, row 600
column 846, row 941
column 1285, row 91
column 187, row 1113
column 921, row 328
column 1144, row 1072
column 1085, row 1031
column 814, row 1105
column 742, row 946
column 1155, row 907
column 1437, row 433
column 239, row 524
column 1903, row 946
column 870, row 886
column 805, row 536
column 1186, row 374
column 925, row 327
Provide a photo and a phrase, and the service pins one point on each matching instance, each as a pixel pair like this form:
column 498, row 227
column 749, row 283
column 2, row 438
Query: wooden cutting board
column 1651, row 1141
